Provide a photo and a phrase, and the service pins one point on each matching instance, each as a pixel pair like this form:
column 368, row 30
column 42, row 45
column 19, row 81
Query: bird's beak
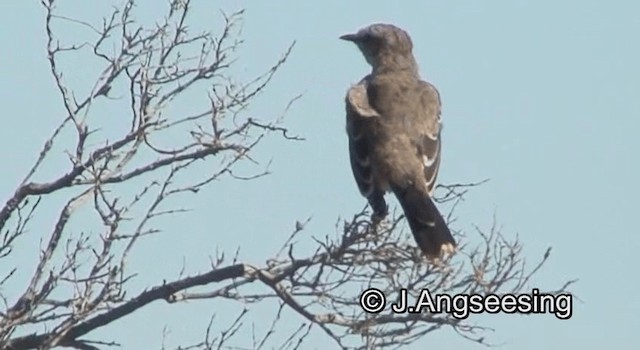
column 350, row 37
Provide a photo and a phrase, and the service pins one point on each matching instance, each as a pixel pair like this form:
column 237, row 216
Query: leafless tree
column 127, row 181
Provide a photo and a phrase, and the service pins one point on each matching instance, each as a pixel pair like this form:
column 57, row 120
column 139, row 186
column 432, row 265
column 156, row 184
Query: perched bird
column 393, row 125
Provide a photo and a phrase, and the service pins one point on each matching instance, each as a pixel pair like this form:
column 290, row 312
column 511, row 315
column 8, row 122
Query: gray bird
column 393, row 125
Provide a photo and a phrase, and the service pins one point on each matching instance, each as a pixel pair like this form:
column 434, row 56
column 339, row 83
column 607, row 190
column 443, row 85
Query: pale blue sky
column 542, row 97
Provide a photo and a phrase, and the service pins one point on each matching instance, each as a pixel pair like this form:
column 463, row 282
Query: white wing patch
column 432, row 136
column 428, row 162
column 357, row 97
column 431, row 162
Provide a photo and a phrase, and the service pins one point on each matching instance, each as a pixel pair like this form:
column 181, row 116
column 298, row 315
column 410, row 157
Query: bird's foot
column 376, row 219
column 379, row 224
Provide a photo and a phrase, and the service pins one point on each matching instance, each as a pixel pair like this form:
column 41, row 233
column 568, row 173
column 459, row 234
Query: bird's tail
column 426, row 223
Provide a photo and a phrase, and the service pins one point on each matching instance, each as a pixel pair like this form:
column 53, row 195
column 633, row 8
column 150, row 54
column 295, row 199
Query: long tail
column 427, row 224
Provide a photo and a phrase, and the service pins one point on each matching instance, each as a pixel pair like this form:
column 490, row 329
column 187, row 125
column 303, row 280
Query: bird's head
column 379, row 40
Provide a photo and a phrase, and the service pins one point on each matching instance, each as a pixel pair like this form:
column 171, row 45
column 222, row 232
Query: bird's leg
column 379, row 207
column 378, row 217
column 380, row 212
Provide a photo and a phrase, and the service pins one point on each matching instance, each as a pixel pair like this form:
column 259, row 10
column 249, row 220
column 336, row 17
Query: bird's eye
column 369, row 37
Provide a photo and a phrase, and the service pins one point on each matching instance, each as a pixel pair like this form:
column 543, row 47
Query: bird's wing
column 427, row 135
column 360, row 125
column 358, row 111
column 427, row 225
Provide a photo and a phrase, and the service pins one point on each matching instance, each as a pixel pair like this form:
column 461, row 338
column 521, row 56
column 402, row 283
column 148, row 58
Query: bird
column 393, row 125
